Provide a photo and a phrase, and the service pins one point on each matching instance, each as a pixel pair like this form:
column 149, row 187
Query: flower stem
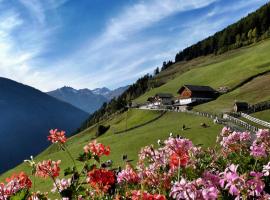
column 255, row 164
column 69, row 154
column 59, row 192
column 178, row 176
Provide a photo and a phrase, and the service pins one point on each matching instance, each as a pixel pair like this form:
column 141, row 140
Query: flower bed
column 238, row 167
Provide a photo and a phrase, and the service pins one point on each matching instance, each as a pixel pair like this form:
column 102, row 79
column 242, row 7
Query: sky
column 48, row 44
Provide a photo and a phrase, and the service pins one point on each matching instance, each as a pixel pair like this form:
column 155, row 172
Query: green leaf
column 20, row 195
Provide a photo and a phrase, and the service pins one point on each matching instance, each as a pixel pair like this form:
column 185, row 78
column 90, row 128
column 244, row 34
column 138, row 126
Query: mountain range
column 27, row 115
column 86, row 99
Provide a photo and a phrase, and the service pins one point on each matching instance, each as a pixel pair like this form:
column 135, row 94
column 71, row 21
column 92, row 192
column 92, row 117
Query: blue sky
column 93, row 43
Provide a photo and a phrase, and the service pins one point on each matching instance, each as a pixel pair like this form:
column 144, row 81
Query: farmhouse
column 160, row 99
column 193, row 94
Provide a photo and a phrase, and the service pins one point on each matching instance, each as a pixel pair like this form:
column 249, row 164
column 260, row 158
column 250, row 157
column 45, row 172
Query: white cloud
column 120, row 54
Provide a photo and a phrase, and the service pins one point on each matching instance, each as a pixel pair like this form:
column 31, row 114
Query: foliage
column 237, row 168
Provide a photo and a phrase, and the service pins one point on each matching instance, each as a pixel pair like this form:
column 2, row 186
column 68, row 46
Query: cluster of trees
column 254, row 27
column 165, row 65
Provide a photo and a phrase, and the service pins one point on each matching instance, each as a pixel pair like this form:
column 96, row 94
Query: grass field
column 130, row 142
column 263, row 115
column 252, row 92
column 228, row 70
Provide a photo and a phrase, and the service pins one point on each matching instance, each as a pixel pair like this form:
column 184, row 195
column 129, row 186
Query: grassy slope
column 254, row 91
column 130, row 143
column 263, row 115
column 229, row 70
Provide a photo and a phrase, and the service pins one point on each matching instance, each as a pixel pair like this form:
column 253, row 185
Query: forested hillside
column 248, row 30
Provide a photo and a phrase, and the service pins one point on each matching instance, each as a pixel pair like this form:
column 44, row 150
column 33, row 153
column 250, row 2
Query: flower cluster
column 177, row 169
column 128, row 175
column 97, row 149
column 57, row 136
column 139, row 195
column 14, row 184
column 48, row 168
column 101, row 179
column 61, row 184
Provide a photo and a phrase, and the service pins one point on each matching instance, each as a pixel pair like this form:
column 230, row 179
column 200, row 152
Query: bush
column 101, row 130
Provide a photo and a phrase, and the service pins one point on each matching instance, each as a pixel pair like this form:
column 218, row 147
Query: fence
column 259, row 107
column 255, row 120
column 241, row 123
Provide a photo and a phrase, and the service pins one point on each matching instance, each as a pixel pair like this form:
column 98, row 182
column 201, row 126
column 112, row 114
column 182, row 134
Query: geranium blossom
column 184, row 190
column 57, row 136
column 256, row 184
column 14, row 184
column 48, row 168
column 235, row 141
column 177, row 160
column 266, row 169
column 101, row 179
column 61, row 184
column 232, row 181
column 127, row 175
column 97, row 149
column 139, row 195
column 258, row 150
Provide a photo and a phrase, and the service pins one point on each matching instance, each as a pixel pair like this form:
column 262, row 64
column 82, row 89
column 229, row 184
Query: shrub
column 101, row 130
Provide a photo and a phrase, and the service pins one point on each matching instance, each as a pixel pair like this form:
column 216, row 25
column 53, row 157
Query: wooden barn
column 194, row 94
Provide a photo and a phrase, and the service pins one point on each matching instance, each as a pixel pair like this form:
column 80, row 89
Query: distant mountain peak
column 86, row 99
column 102, row 91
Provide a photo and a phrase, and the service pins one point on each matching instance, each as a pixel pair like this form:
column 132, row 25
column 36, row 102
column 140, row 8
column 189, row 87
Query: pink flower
column 255, row 185
column 61, row 184
column 235, row 141
column 266, row 169
column 258, row 150
column 263, row 134
column 48, row 168
column 184, row 190
column 211, row 179
column 231, row 180
column 57, row 136
column 210, row 193
column 127, row 175
column 97, row 149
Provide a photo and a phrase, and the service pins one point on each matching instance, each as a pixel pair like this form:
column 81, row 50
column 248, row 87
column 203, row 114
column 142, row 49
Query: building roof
column 241, row 104
column 164, row 95
column 197, row 88
column 150, row 99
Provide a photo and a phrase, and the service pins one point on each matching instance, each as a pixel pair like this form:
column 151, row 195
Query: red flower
column 57, row 136
column 48, row 168
column 101, row 179
column 97, row 149
column 180, row 159
column 23, row 180
column 139, row 195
